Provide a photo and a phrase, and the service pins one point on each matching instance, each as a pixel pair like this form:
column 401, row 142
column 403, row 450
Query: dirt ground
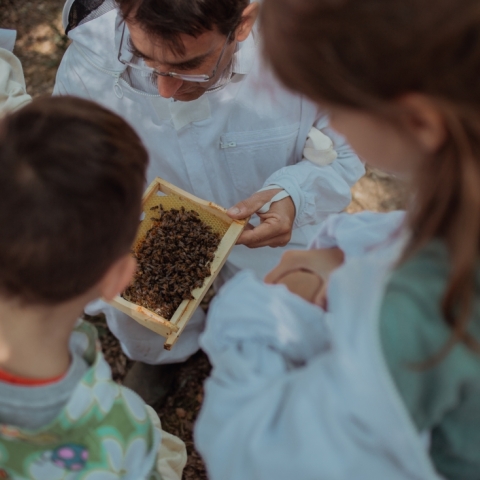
column 40, row 46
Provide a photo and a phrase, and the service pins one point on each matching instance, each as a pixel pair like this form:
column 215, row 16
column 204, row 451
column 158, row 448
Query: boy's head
column 71, row 181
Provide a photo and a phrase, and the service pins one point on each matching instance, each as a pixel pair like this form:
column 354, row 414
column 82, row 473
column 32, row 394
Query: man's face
column 199, row 58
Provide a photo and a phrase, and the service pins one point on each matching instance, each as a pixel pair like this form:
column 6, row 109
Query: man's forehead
column 155, row 48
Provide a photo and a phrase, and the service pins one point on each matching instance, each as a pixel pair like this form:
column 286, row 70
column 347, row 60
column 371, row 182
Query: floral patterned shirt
column 103, row 432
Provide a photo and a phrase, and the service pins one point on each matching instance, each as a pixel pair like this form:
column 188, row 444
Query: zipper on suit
column 228, row 144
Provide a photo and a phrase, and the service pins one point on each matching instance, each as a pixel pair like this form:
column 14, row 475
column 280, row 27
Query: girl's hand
column 306, row 272
column 307, row 285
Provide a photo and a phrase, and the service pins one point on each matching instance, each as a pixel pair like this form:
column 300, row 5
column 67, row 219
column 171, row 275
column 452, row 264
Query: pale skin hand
column 298, row 269
column 275, row 229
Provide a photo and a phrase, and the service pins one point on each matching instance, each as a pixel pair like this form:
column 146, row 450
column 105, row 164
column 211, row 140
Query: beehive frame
column 169, row 196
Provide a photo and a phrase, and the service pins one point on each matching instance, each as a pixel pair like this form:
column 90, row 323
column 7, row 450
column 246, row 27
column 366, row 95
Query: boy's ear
column 424, row 120
column 249, row 16
column 117, row 277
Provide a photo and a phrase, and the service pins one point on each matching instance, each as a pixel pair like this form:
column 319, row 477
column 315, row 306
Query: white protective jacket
column 299, row 393
column 13, row 93
column 221, row 147
column 225, row 145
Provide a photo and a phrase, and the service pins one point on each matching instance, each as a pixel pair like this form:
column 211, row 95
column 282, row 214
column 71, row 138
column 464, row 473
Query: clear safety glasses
column 154, row 72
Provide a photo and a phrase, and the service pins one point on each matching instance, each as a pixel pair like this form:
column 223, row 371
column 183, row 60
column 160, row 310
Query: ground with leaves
column 40, row 46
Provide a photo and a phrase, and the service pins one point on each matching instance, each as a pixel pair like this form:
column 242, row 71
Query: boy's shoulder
column 104, row 427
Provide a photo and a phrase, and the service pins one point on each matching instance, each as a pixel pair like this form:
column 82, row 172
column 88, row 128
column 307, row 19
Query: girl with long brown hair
column 383, row 380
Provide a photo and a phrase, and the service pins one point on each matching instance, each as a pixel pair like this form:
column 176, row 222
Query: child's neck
column 34, row 340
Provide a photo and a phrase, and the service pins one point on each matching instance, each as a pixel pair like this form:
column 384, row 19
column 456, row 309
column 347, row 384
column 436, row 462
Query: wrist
column 292, row 187
column 278, row 194
column 302, row 282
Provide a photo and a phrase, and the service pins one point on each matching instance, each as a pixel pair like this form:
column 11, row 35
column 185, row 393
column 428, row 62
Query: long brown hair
column 365, row 53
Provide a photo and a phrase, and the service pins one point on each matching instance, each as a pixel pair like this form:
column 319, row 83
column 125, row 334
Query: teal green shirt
column 444, row 399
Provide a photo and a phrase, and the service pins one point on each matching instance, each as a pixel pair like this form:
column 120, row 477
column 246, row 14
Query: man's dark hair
column 168, row 19
column 71, row 176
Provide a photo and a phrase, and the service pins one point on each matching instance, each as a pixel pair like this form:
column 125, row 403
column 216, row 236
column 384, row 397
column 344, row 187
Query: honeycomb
column 228, row 230
column 174, row 201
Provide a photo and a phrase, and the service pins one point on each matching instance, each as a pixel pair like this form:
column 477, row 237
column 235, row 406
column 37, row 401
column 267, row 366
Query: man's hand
column 275, row 229
column 320, row 263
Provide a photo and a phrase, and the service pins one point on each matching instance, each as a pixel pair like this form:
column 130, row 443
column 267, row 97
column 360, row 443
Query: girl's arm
column 306, row 272
column 260, row 401
column 292, row 396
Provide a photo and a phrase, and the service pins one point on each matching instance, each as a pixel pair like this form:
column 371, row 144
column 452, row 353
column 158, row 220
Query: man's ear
column 249, row 16
column 424, row 120
column 117, row 277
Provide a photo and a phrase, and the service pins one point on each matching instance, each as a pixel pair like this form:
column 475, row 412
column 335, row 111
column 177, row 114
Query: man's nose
column 168, row 86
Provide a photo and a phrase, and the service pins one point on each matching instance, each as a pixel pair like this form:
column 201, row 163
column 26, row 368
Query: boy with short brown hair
column 71, row 176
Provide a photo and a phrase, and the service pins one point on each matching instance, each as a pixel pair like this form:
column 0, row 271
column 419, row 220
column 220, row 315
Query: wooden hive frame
column 169, row 196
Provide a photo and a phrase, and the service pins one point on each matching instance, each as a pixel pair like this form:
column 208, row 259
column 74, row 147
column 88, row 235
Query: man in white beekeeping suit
column 188, row 75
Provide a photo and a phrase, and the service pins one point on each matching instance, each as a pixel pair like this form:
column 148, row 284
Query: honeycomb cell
column 173, row 201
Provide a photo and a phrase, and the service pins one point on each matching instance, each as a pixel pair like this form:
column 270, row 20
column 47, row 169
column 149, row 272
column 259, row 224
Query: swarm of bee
column 173, row 259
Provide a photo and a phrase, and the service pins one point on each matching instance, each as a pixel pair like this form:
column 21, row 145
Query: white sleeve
column 320, row 190
column 258, row 407
column 13, row 94
column 357, row 234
